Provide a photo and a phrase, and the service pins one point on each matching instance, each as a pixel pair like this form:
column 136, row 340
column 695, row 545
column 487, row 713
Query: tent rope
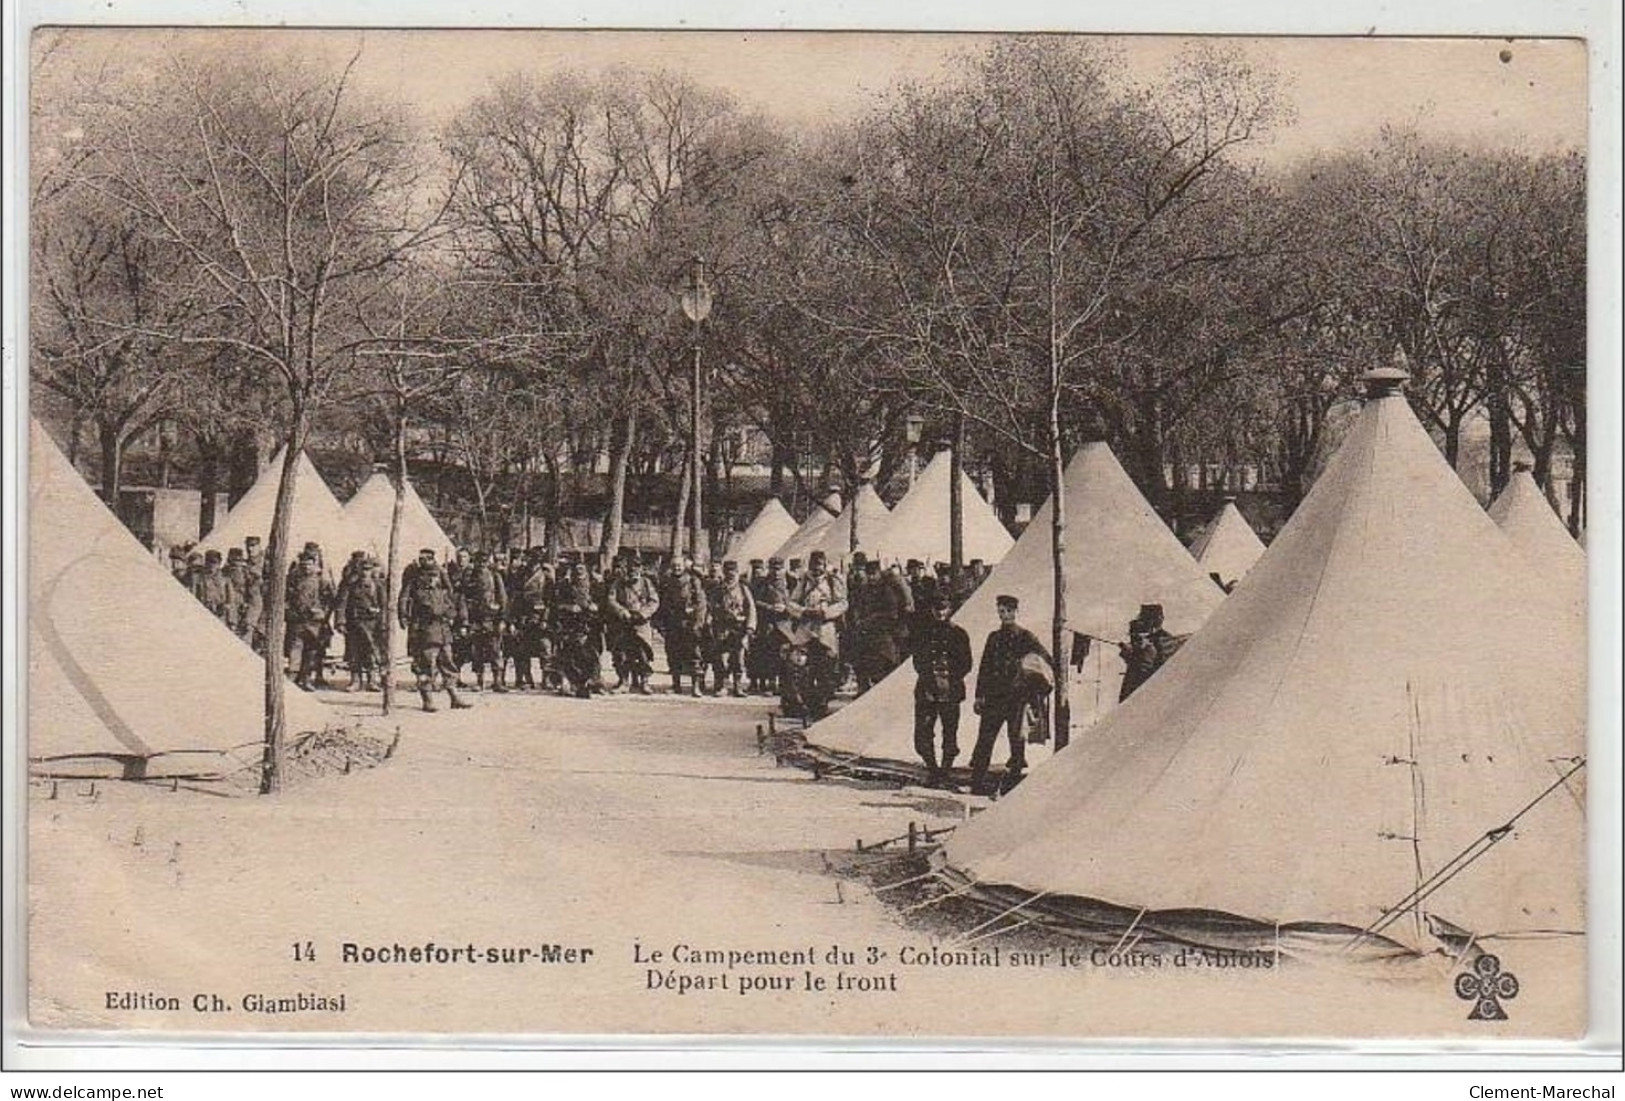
column 1457, row 864
column 970, row 937
column 1022, row 924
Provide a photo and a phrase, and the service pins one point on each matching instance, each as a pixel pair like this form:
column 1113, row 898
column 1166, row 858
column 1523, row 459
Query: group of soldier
column 779, row 628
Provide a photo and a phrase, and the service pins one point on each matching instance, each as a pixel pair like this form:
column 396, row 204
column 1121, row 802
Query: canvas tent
column 370, row 511
column 1554, row 558
column 1229, row 546
column 836, row 539
column 765, row 535
column 127, row 674
column 811, row 530
column 1351, row 726
column 1119, row 555
column 317, row 517
column 919, row 526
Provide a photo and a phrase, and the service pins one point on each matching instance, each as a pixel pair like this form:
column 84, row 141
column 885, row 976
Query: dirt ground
column 627, row 866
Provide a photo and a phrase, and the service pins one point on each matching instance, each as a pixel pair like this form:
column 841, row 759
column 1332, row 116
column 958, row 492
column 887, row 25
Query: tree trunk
column 166, row 454
column 685, row 484
column 620, row 458
column 956, row 510
column 775, row 477
column 1452, row 441
column 1500, row 439
column 112, row 443
column 392, row 559
column 555, row 504
column 1062, row 714
column 208, row 480
column 276, row 604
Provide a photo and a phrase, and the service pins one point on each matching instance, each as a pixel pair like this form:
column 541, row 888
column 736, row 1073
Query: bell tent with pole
column 919, row 526
column 1356, row 752
column 316, row 517
column 811, row 530
column 1229, row 546
column 128, row 675
column 1557, row 562
column 368, row 515
column 766, row 534
column 836, row 539
column 1119, row 555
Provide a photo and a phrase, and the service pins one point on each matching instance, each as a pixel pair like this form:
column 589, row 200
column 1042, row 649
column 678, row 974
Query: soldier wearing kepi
column 1147, row 648
column 942, row 661
column 816, row 607
column 308, row 615
column 771, row 594
column 732, row 619
column 255, row 580
column 215, row 590
column 427, row 608
column 889, row 618
column 363, row 610
column 1002, row 694
column 632, row 603
column 527, row 602
column 577, row 631
column 688, row 612
column 243, row 580
column 485, row 603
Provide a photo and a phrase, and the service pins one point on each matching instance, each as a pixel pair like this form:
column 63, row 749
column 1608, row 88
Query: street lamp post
column 696, row 300
column 913, row 429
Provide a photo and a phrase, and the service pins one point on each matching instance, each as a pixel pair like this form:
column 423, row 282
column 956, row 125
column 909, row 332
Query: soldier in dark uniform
column 428, row 608
column 576, row 631
column 1002, row 694
column 942, row 661
column 631, row 604
column 889, row 616
column 1148, row 646
column 793, row 574
column 527, row 617
column 325, row 642
column 771, row 594
column 857, row 612
column 243, row 580
column 214, row 589
column 308, row 615
column 485, row 603
column 731, row 620
column 363, row 608
column 257, row 569
column 688, row 609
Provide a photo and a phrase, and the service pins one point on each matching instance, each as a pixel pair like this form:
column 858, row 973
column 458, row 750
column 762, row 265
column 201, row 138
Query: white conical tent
column 1228, row 547
column 369, row 513
column 1556, row 560
column 766, row 534
column 836, row 539
column 128, row 675
column 811, row 530
column 317, row 517
column 1119, row 555
column 1356, row 715
column 919, row 526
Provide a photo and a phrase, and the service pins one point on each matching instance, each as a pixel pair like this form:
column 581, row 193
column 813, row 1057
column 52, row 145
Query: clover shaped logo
column 1486, row 986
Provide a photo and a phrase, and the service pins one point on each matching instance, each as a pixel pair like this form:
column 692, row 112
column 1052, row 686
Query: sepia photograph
column 913, row 537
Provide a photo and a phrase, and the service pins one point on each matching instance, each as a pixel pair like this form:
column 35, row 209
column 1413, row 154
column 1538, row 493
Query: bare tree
column 285, row 198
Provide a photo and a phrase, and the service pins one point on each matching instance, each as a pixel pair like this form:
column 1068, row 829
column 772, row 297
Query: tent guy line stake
column 928, row 903
column 1458, row 863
